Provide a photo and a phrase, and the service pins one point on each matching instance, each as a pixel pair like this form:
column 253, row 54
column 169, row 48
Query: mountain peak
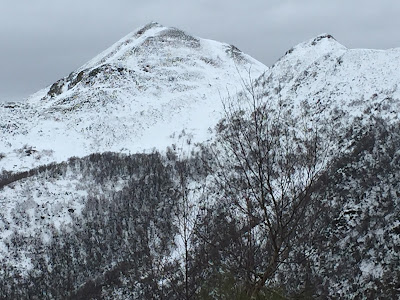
column 138, row 94
column 150, row 42
column 152, row 46
column 322, row 36
column 321, row 43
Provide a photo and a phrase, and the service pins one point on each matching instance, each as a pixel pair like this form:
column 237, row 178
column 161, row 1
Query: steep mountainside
column 142, row 93
column 114, row 225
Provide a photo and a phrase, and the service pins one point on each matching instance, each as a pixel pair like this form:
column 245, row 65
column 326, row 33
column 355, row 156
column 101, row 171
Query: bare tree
column 185, row 222
column 189, row 186
column 267, row 160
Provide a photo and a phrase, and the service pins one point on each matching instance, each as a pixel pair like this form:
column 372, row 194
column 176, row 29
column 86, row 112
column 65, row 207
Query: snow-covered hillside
column 160, row 86
column 146, row 90
column 336, row 83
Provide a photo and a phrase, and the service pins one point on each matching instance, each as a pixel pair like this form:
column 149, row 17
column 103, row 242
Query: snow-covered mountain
column 157, row 84
column 146, row 90
column 160, row 86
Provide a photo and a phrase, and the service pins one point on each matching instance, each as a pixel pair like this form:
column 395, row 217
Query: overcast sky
column 44, row 40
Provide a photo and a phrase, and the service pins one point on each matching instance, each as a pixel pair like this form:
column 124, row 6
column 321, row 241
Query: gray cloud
column 44, row 40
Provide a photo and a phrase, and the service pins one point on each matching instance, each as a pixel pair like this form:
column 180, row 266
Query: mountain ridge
column 142, row 65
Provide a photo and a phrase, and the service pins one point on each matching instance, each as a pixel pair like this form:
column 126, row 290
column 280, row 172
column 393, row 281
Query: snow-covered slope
column 335, row 82
column 146, row 90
